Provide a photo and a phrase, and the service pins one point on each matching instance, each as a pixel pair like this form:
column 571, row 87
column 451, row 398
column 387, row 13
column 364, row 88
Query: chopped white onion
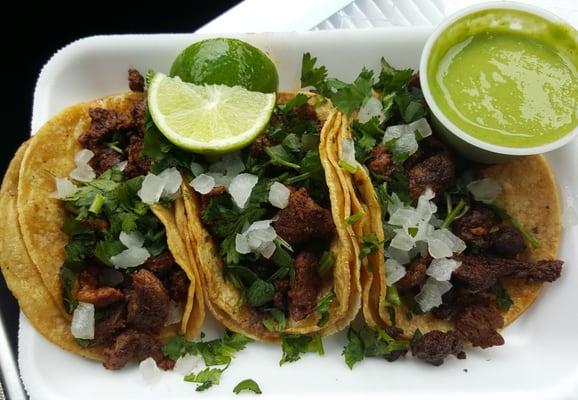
column 441, row 269
column 64, row 188
column 422, row 127
column 175, row 313
column 406, row 144
column 83, row 156
column 196, row 168
column 241, row 187
column 149, row 371
column 263, row 234
column 83, row 173
column 131, row 257
column 394, row 132
column 267, row 249
column 443, row 243
column 402, row 241
column 233, row 164
column 151, row 189
column 220, row 179
column 258, row 238
column 425, row 208
column 133, row 239
column 431, row 294
column 438, row 248
column 485, row 190
column 121, row 166
column 82, row 326
column 401, row 256
column 186, row 364
column 348, row 151
column 203, row 183
column 370, row 108
column 394, row 271
column 279, row 195
column 172, row 180
column 403, row 217
column 242, row 244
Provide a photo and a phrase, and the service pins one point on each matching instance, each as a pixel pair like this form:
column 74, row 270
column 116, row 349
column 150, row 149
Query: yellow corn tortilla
column 32, row 244
column 530, row 195
column 225, row 301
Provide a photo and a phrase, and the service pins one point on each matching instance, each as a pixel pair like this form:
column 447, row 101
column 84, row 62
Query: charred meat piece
column 160, row 264
column 138, row 112
column 479, row 273
column 148, row 302
column 103, row 124
column 137, row 163
column 427, row 147
column 397, row 334
column 478, row 324
column 106, row 329
column 178, row 285
column 434, row 346
column 303, row 219
column 475, row 224
column 104, row 158
column 305, row 285
column 306, row 112
column 257, row 149
column 506, row 242
column 281, row 292
column 435, row 172
column 136, row 82
column 90, row 292
column 415, row 274
column 135, row 345
column 379, row 162
column 457, row 299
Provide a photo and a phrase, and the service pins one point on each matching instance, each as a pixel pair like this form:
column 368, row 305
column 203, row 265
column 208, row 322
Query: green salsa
column 507, row 77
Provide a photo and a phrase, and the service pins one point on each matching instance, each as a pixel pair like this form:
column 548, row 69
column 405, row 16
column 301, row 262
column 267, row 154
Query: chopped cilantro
column 507, row 218
column 503, row 299
column 260, row 293
column 247, row 384
column 323, row 308
column 294, row 103
column 313, row 76
column 207, row 378
column 369, row 244
column 277, row 322
column 105, row 249
column 68, row 279
column 349, row 97
column 353, row 351
column 178, row 346
column 352, row 219
column 326, row 263
column 370, row 343
column 295, row 345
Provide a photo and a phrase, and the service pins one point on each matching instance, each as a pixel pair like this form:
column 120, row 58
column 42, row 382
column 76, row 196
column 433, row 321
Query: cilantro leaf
column 277, row 322
column 311, row 75
column 68, row 279
column 323, row 308
column 105, row 249
column 247, row 384
column 370, row 343
column 353, row 218
column 391, row 79
column 295, row 102
column 295, row 345
column 207, row 378
column 260, row 293
column 326, row 263
column 351, row 96
column 178, row 346
column 503, row 299
column 353, row 352
column 369, row 244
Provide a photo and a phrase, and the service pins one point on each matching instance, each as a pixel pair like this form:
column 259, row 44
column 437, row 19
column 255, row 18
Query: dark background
column 41, row 31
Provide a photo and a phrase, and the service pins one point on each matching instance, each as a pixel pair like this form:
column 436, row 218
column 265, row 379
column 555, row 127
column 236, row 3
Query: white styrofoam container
column 538, row 360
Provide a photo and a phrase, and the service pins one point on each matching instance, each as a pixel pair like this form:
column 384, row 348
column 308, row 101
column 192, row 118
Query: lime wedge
column 208, row 118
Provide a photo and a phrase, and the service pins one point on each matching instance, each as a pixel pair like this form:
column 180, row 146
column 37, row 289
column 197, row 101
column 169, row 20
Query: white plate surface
column 538, row 360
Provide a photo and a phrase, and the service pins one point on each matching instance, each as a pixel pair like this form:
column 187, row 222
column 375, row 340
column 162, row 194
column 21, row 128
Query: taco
column 270, row 228
column 455, row 250
column 96, row 261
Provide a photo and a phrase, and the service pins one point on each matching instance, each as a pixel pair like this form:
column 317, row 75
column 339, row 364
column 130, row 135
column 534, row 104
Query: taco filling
column 268, row 209
column 120, row 281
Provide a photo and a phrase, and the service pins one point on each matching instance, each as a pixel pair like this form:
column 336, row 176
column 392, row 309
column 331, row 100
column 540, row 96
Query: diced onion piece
column 264, row 234
column 121, row 166
column 400, row 256
column 64, row 188
column 403, row 216
column 441, row 269
column 370, row 108
column 421, row 126
column 218, row 168
column 175, row 313
column 485, row 190
column 233, row 164
column 186, row 364
column 149, row 371
column 406, row 144
column 82, row 157
column 425, row 208
column 220, row 179
column 196, row 168
column 82, row 326
column 395, row 204
column 348, row 153
column 132, row 257
column 279, row 195
column 456, row 244
column 83, row 173
column 267, row 249
column 241, row 187
column 151, row 189
column 172, row 180
column 402, row 241
column 394, row 132
column 394, row 271
column 431, row 294
column 438, row 248
column 133, row 239
column 242, row 244
column 203, row 183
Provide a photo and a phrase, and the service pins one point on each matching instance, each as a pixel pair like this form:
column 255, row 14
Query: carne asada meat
column 506, row 242
column 103, row 124
column 415, row 274
column 434, row 346
column 305, row 285
column 479, row 273
column 436, row 172
column 90, row 292
column 257, row 149
column 135, row 345
column 160, row 264
column 281, row 292
column 303, row 219
column 397, row 334
column 136, row 82
column 478, row 324
column 380, row 162
column 475, row 224
column 106, row 329
column 138, row 112
column 148, row 302
column 137, row 163
column 178, row 285
column 306, row 112
column 104, row 158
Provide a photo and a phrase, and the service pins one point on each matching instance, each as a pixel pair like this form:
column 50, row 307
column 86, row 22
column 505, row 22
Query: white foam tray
column 538, row 360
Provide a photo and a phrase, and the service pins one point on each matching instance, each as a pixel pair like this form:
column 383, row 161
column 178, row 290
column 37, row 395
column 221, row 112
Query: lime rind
column 208, row 118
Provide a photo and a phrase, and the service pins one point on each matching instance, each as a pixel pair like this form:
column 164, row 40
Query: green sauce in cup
column 507, row 77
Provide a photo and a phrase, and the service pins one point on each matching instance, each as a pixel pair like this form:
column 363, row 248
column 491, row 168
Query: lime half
column 208, row 118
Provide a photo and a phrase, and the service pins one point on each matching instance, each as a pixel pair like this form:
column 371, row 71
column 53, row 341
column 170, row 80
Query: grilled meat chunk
column 434, row 346
column 305, row 286
column 135, row 345
column 148, row 302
